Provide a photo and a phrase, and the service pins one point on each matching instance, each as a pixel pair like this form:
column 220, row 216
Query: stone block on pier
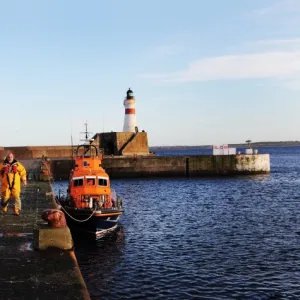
column 47, row 237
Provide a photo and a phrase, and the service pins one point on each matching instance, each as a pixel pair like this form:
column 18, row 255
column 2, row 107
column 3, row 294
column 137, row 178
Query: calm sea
column 202, row 238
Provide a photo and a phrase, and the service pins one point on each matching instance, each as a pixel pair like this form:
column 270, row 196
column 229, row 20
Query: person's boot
column 16, row 211
column 4, row 207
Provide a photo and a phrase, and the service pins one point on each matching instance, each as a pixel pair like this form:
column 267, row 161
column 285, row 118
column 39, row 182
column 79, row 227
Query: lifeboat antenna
column 86, row 132
column 72, row 147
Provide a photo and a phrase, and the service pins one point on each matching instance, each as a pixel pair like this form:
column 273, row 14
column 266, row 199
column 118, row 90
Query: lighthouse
column 130, row 118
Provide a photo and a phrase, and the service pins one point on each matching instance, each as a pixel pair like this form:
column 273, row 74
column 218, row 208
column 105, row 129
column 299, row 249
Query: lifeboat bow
column 91, row 204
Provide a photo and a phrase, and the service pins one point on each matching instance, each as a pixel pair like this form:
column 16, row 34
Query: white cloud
column 292, row 84
column 278, row 61
column 279, row 42
column 242, row 66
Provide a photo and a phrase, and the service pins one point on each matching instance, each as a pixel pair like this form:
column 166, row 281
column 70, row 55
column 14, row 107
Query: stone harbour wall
column 166, row 166
column 31, row 152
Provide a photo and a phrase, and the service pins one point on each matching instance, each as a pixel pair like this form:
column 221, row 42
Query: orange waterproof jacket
column 12, row 174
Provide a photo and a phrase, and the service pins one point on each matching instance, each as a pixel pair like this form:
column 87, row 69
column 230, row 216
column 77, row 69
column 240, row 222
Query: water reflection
column 14, row 234
column 205, row 238
column 99, row 259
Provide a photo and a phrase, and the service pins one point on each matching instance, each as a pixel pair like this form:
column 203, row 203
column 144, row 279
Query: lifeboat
column 90, row 205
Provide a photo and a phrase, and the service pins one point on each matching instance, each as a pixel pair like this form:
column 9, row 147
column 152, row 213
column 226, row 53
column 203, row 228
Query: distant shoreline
column 244, row 145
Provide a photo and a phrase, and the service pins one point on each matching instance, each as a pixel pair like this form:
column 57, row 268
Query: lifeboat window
column 90, row 181
column 102, row 181
column 78, row 182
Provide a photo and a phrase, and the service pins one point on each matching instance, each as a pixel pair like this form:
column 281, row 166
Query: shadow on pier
column 30, row 274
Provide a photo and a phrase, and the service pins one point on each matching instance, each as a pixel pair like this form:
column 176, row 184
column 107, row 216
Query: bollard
column 56, row 234
column 55, row 218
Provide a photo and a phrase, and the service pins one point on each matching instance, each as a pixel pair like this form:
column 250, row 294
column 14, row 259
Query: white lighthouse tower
column 130, row 118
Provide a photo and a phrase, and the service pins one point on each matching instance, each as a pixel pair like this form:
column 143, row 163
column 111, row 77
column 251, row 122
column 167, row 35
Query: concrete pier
column 30, row 274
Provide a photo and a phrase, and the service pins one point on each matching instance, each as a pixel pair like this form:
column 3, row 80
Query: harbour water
column 202, row 238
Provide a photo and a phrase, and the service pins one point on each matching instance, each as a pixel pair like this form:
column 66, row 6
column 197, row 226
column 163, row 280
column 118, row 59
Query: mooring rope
column 51, row 181
column 80, row 221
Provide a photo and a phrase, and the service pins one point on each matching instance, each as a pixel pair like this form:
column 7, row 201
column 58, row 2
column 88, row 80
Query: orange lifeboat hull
column 91, row 204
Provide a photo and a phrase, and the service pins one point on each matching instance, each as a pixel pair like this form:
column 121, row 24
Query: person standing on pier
column 12, row 173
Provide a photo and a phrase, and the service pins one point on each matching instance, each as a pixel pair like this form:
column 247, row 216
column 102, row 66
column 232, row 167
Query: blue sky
column 203, row 72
